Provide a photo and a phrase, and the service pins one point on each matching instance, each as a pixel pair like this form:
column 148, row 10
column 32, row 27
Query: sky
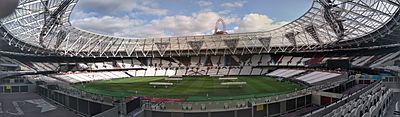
column 160, row 18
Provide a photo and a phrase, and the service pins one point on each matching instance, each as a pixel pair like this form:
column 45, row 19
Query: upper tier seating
column 101, row 66
column 256, row 71
column 24, row 67
column 170, row 72
column 303, row 61
column 317, row 76
column 181, row 72
column 265, row 59
column 285, row 60
column 223, row 71
column 194, row 61
column 151, row 71
column 45, row 66
column 202, row 70
column 160, row 72
column 384, row 59
column 212, row 71
column 285, row 73
column 215, row 60
column 255, row 60
column 140, row 73
column 362, row 60
column 91, row 76
column 294, row 61
column 372, row 103
column 246, row 70
column 234, row 71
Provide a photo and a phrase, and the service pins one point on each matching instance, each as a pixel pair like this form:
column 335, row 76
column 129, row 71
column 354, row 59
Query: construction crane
column 223, row 31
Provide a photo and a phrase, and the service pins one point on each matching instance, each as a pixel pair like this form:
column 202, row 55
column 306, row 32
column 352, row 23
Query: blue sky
column 156, row 18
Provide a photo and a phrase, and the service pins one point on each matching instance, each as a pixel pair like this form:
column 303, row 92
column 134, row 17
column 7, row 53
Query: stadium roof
column 44, row 25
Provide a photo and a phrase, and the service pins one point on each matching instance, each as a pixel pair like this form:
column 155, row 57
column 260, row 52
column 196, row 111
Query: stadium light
column 7, row 7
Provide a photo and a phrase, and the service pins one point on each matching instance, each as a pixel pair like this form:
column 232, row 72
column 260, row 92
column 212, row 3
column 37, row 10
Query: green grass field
column 191, row 88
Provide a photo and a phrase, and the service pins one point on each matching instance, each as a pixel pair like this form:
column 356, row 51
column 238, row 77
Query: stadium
column 341, row 58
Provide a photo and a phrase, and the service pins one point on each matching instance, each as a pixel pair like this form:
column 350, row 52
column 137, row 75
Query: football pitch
column 192, row 88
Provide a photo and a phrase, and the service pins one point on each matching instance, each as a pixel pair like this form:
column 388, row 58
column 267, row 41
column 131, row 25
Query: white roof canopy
column 45, row 24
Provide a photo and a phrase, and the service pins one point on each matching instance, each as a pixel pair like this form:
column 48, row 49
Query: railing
column 325, row 110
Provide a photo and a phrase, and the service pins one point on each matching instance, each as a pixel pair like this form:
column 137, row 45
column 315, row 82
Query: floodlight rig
column 223, row 31
column 52, row 19
column 331, row 13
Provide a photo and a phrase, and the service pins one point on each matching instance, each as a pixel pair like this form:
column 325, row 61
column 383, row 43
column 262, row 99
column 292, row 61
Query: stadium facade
column 345, row 54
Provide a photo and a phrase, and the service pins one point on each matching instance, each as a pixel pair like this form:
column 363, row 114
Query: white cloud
column 206, row 10
column 225, row 12
column 82, row 15
column 206, row 6
column 204, row 3
column 256, row 22
column 107, row 24
column 233, row 5
column 113, row 6
column 179, row 25
column 227, row 8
